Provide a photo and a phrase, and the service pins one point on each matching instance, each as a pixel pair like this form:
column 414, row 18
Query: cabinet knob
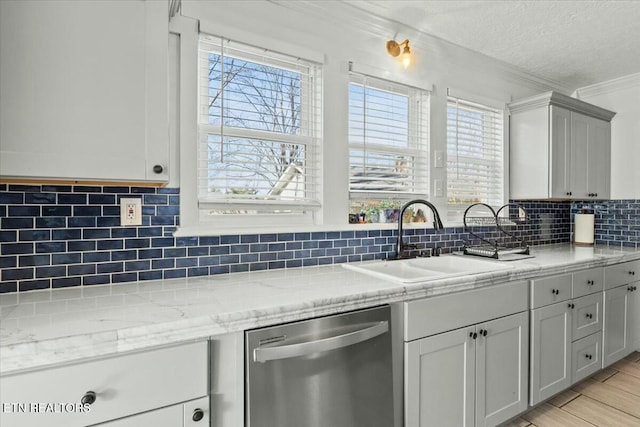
column 634, row 288
column 198, row 414
column 589, row 316
column 590, row 282
column 555, row 291
column 158, row 169
column 473, row 335
column 632, row 273
column 568, row 193
column 88, row 398
column 570, row 305
column 483, row 332
column 588, row 356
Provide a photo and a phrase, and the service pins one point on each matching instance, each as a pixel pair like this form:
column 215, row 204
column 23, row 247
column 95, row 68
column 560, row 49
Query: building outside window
column 388, row 147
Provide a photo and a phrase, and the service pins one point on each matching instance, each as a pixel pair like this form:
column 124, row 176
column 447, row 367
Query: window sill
column 216, row 231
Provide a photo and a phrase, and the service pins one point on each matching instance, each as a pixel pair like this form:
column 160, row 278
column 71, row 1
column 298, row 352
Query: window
column 259, row 131
column 475, row 165
column 388, row 145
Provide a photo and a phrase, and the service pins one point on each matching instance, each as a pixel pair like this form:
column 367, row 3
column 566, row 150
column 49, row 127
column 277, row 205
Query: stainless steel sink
column 416, row 270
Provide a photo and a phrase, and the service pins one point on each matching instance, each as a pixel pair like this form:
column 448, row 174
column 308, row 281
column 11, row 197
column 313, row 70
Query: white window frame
column 309, row 137
column 418, row 140
column 191, row 221
column 497, row 140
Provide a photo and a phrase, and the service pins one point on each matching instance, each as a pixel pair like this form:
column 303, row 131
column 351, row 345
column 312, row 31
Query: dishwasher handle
column 265, row 354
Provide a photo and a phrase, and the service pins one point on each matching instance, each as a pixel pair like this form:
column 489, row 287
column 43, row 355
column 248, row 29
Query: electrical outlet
column 131, row 211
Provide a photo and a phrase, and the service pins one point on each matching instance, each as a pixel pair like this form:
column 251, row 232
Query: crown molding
column 621, row 83
column 351, row 17
column 560, row 100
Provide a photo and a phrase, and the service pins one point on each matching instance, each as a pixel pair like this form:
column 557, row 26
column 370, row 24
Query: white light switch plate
column 438, row 188
column 438, row 159
column 131, row 211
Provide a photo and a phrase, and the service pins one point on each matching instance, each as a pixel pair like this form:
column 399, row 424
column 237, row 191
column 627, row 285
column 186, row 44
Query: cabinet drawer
column 587, row 282
column 550, row 290
column 123, row 385
column 586, row 315
column 586, row 357
column 181, row 415
column 620, row 274
column 438, row 314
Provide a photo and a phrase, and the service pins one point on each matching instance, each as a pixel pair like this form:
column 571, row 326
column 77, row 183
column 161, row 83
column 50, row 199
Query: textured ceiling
column 574, row 43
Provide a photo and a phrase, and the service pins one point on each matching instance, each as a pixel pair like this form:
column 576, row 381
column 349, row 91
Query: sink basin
column 416, row 270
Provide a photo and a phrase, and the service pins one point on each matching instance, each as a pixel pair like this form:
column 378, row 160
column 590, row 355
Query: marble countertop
column 50, row 327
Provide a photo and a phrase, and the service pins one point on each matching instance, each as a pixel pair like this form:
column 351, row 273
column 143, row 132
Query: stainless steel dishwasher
column 333, row 371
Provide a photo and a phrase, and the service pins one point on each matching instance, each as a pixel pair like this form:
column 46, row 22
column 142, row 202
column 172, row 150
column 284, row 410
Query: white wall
column 342, row 37
column 622, row 96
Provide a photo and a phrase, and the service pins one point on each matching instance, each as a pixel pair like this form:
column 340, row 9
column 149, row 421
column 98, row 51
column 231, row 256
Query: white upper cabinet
column 560, row 148
column 84, row 90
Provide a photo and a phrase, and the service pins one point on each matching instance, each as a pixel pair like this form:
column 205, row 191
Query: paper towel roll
column 583, row 229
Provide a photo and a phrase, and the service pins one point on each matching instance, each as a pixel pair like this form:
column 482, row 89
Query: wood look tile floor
column 610, row 398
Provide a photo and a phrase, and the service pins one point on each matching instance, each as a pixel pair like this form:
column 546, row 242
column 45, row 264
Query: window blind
column 388, row 139
column 475, row 151
column 259, row 129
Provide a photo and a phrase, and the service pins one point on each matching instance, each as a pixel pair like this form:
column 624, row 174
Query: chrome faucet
column 401, row 247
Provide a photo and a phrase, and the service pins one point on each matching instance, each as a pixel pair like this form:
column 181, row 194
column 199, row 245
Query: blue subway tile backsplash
column 54, row 236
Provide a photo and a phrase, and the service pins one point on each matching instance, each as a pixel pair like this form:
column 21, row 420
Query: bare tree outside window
column 250, row 95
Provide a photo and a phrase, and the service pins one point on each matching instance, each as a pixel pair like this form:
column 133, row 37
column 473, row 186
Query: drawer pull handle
column 589, row 316
column 555, row 291
column 473, row 335
column 590, row 282
column 570, row 305
column 632, row 273
column 198, row 414
column 483, row 332
column 88, row 398
column 588, row 356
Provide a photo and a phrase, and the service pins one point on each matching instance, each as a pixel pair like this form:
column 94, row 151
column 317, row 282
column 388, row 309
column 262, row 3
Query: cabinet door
column 550, row 351
column 439, row 380
column 599, row 163
column 502, row 355
column 84, row 89
column 189, row 414
column 561, row 154
column 170, row 416
column 580, row 131
column 617, row 331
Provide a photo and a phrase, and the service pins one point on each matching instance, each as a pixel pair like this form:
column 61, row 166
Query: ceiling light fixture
column 395, row 49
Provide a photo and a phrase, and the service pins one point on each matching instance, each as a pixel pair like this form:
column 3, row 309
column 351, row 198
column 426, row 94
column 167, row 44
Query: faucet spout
column 437, row 224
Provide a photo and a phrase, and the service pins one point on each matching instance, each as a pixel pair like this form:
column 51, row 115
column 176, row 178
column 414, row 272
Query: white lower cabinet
column 620, row 306
column 550, row 351
column 586, row 357
column 189, row 414
column 473, row 376
column 565, row 335
column 108, row 389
